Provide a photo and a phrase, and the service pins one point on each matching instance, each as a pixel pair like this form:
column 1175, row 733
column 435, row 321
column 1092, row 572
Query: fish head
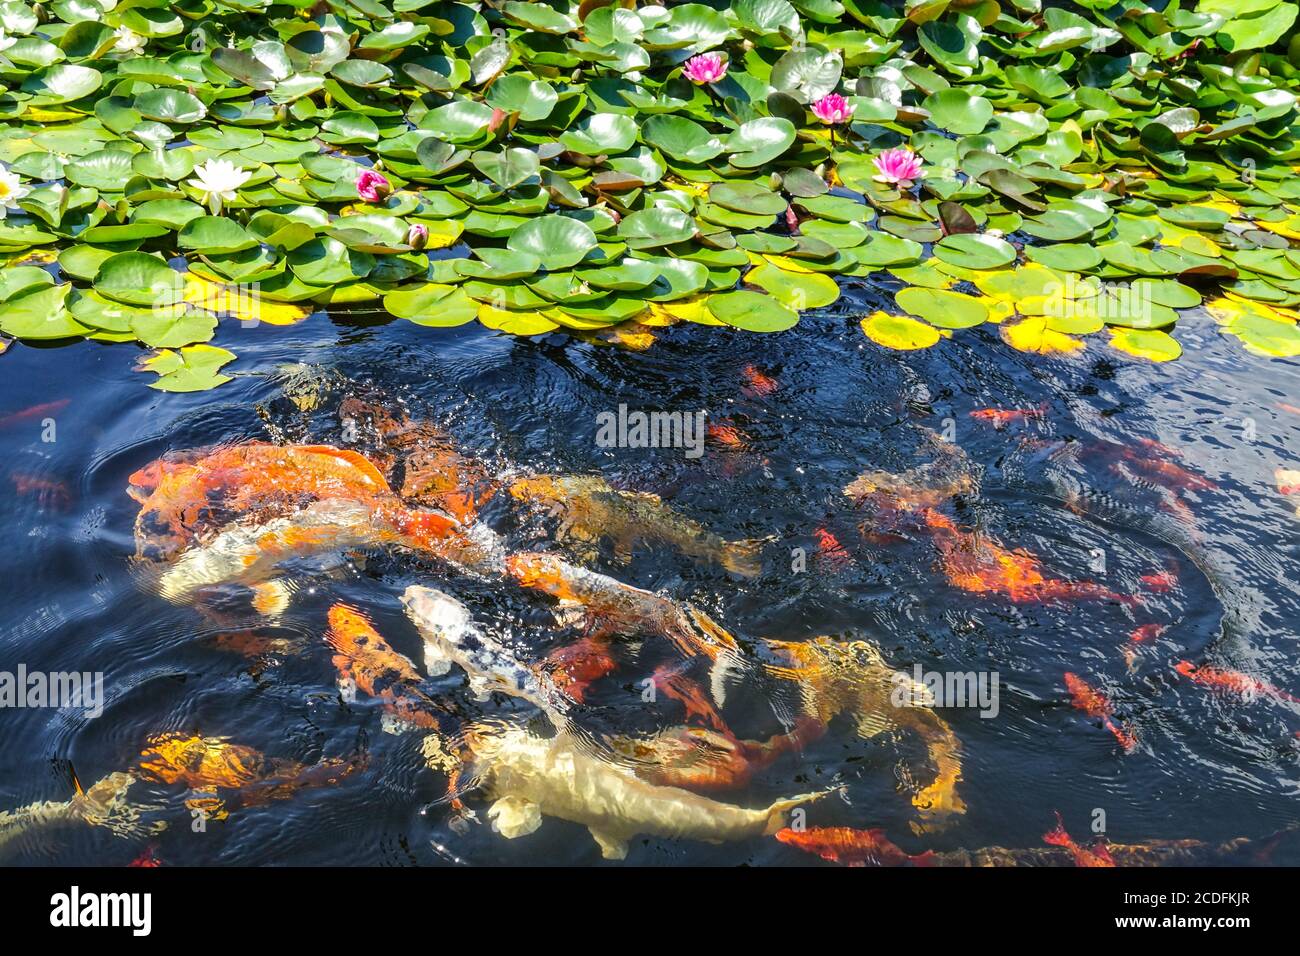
column 536, row 488
column 436, row 612
column 348, row 628
column 1186, row 668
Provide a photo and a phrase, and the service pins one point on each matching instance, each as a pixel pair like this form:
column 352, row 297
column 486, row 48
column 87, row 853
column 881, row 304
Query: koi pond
column 1116, row 520
column 792, row 432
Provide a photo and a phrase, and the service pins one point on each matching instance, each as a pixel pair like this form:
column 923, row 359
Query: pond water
column 1082, row 486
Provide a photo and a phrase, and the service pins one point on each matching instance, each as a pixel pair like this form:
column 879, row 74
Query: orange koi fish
column 1095, row 704
column 1162, row 471
column 1233, row 682
column 366, row 659
column 44, row 410
column 1000, row 418
column 1287, row 407
column 831, row 551
column 49, row 493
column 1095, row 856
column 727, row 435
column 676, row 685
column 852, row 847
column 974, row 563
column 1140, row 635
column 759, row 383
column 575, row 667
column 707, row 761
column 1288, row 481
column 434, row 472
column 148, row 858
column 208, row 765
column 1160, row 582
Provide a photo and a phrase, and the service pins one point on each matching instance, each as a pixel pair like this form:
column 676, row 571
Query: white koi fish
column 103, row 805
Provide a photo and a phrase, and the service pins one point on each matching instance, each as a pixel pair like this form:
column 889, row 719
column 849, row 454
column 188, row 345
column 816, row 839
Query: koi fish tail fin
column 1057, row 836
column 779, row 812
column 105, row 805
column 744, row 557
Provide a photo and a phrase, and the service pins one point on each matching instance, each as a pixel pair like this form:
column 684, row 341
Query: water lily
column 6, row 41
column 899, row 167
column 705, row 68
column 417, row 237
column 128, row 41
column 218, row 179
column 372, row 186
column 11, row 190
column 832, row 109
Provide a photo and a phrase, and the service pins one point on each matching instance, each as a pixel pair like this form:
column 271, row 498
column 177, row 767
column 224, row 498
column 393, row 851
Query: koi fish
column 147, row 859
column 43, row 410
column 49, row 493
column 529, row 777
column 890, row 497
column 759, row 383
column 1095, row 704
column 188, row 494
column 1142, row 634
column 1095, row 856
column 613, row 607
column 728, row 436
column 853, row 847
column 1234, row 682
column 852, row 678
column 706, row 761
column 212, row 765
column 976, row 564
column 1288, row 481
column 670, row 680
column 830, row 551
column 451, row 637
column 103, row 805
column 1287, row 407
column 1162, row 471
column 366, row 659
column 1159, row 582
column 434, row 472
column 575, row 667
column 1000, row 418
column 249, row 552
column 590, row 510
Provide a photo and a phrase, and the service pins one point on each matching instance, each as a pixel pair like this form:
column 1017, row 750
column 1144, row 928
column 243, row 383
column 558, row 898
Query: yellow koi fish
column 103, row 805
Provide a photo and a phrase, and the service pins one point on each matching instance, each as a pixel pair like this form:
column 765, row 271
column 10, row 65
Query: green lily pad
column 560, row 242
column 752, row 311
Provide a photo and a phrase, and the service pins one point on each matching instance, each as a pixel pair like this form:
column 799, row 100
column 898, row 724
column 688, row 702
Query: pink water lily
column 899, row 167
column 417, row 237
column 705, row 68
column 833, row 108
column 372, row 186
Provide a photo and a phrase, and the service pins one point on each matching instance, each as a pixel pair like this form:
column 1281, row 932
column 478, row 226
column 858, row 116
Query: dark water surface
column 1208, row 766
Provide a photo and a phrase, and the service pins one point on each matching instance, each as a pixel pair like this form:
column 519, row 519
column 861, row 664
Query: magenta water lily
column 898, row 167
column 705, row 68
column 833, row 109
column 373, row 186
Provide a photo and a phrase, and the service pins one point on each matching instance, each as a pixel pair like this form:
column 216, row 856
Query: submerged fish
column 103, row 805
column 707, row 761
column 50, row 494
column 433, row 472
column 366, row 659
column 890, row 498
column 974, row 563
column 852, row 677
column 530, row 777
column 1240, row 851
column 758, row 382
column 249, row 552
column 669, row 679
column 187, row 495
column 451, row 637
column 1095, row 856
column 590, row 510
column 853, row 847
column 617, row 608
column 1235, row 682
column 32, row 413
column 1095, row 704
column 1000, row 418
column 244, row 777
column 575, row 667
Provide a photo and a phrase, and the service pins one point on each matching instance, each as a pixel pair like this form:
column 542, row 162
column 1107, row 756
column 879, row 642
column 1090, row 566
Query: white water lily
column 6, row 41
column 11, row 190
column 128, row 41
column 218, row 179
